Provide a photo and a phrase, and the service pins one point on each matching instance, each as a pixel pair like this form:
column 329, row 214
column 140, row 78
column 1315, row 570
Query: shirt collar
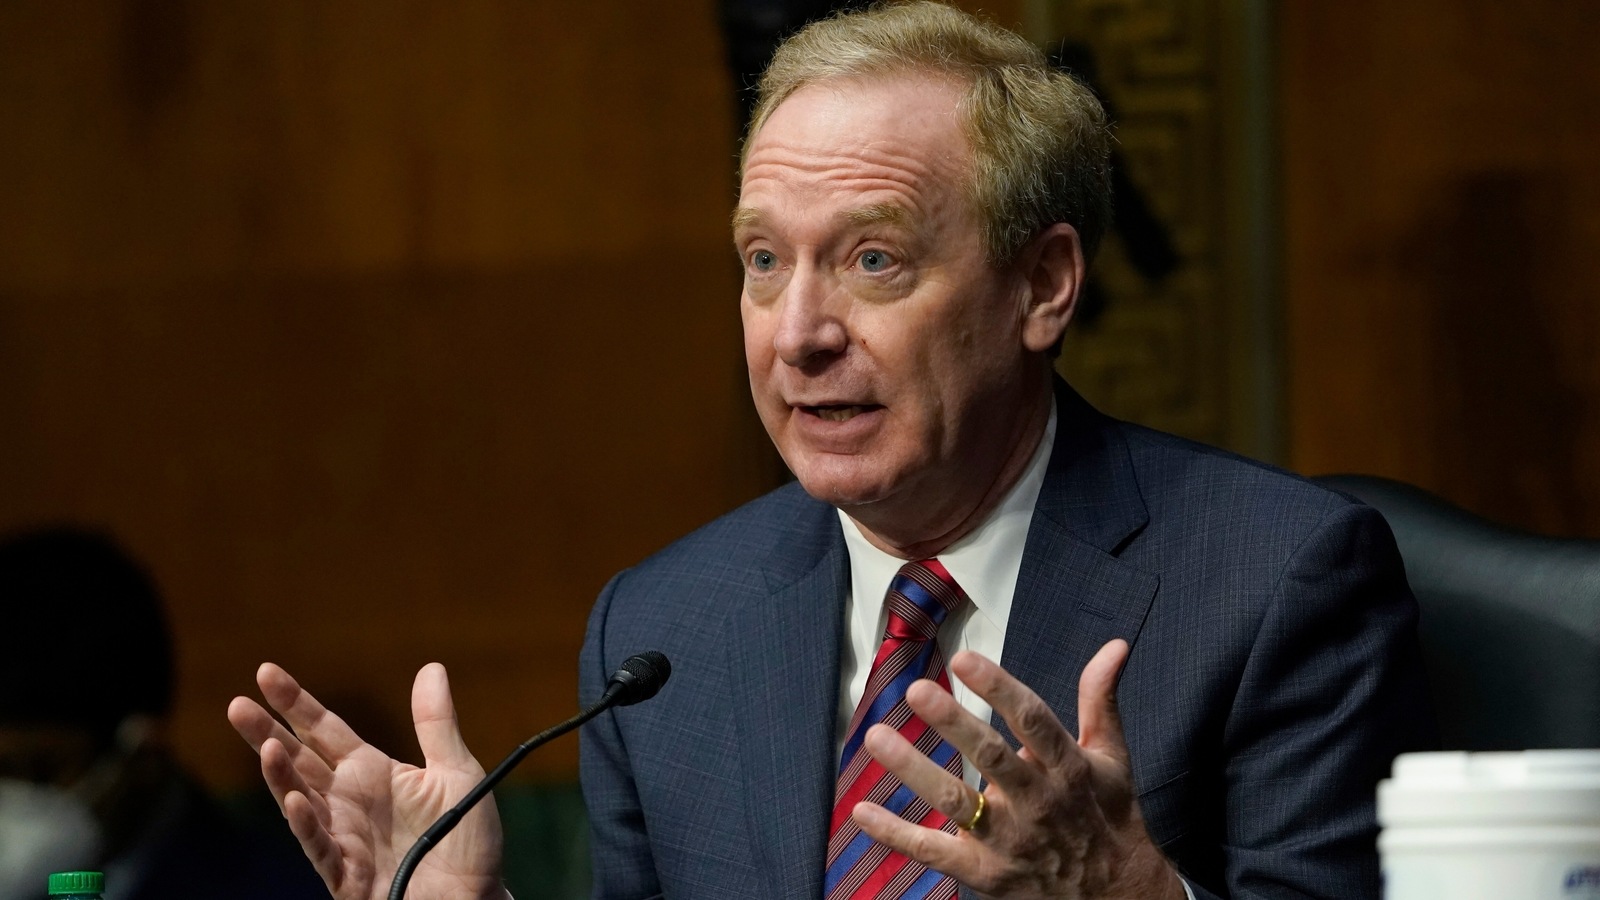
column 985, row 562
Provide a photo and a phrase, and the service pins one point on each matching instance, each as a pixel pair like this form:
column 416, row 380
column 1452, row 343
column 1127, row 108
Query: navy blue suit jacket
column 1273, row 677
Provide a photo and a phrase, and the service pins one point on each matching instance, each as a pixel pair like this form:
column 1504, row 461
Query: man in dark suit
column 920, row 196
column 1271, row 679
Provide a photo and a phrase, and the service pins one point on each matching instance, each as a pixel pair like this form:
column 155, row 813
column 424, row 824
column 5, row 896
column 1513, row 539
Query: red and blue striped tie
column 860, row 868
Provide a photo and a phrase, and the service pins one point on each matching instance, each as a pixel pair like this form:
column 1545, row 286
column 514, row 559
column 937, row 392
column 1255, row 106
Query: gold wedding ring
column 977, row 815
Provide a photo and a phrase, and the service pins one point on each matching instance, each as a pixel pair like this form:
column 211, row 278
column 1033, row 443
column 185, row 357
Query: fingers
column 1048, row 743
column 1099, row 721
column 306, row 811
column 283, row 777
column 296, row 777
column 1030, row 718
column 940, row 789
column 257, row 727
column 314, row 838
column 980, row 744
column 434, row 714
column 940, row 850
column 1057, row 811
column 316, row 727
column 930, row 781
column 253, row 723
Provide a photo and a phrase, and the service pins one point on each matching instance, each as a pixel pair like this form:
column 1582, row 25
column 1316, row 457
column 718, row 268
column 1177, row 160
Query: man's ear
column 1053, row 267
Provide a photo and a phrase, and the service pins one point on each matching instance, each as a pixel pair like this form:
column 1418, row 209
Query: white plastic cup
column 1491, row 826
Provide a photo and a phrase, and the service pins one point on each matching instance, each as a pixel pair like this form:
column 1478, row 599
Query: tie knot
column 920, row 596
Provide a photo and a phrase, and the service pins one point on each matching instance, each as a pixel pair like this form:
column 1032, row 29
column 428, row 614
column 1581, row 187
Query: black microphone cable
column 636, row 680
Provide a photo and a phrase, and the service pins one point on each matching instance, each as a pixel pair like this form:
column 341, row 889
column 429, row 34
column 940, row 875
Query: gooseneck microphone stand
column 638, row 679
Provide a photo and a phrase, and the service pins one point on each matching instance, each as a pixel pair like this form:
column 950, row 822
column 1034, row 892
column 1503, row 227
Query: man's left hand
column 1059, row 817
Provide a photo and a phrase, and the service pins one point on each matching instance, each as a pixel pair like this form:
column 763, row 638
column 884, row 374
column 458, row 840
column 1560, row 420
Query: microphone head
column 640, row 677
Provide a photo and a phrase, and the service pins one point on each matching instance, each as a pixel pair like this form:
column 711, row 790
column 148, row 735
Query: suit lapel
column 784, row 660
column 1071, row 599
column 1073, row 593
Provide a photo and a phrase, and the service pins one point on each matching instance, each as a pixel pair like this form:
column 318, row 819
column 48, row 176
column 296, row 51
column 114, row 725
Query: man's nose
column 811, row 326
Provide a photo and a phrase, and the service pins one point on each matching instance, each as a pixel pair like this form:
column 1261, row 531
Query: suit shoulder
column 677, row 596
column 746, row 535
column 1177, row 470
column 1232, row 507
column 1234, row 539
column 730, row 554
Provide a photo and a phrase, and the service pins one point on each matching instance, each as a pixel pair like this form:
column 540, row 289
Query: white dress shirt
column 985, row 563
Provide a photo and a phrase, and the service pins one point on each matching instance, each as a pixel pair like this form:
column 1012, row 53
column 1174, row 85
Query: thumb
column 434, row 714
column 1099, row 722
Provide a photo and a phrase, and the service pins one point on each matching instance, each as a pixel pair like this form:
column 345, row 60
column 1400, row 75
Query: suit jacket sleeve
column 1331, row 690
column 620, row 848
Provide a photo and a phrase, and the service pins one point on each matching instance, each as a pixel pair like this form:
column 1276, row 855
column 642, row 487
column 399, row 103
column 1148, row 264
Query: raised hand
column 1059, row 819
column 356, row 811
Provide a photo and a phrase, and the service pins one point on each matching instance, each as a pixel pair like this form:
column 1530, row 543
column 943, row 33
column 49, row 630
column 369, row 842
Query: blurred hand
column 1059, row 820
column 356, row 811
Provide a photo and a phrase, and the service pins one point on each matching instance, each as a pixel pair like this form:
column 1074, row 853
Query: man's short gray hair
column 1040, row 143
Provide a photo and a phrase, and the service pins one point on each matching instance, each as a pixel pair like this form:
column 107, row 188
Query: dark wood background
column 384, row 332
column 1442, row 211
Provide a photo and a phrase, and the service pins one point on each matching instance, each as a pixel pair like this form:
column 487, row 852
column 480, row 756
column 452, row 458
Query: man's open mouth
column 839, row 412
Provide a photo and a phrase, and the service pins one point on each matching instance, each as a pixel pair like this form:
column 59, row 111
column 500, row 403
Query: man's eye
column 875, row 261
column 763, row 260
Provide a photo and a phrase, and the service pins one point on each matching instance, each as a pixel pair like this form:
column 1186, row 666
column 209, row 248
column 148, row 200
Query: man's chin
column 844, row 493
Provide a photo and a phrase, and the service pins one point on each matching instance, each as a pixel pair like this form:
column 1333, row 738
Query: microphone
column 635, row 681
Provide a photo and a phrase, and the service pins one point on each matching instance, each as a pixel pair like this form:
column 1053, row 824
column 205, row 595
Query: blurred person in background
column 86, row 779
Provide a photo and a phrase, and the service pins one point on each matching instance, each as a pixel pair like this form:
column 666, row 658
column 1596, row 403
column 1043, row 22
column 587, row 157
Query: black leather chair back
column 1510, row 623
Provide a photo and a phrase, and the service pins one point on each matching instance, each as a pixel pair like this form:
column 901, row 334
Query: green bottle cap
column 67, row 883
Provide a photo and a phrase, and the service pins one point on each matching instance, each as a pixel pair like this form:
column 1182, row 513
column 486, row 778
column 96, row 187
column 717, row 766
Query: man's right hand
column 356, row 811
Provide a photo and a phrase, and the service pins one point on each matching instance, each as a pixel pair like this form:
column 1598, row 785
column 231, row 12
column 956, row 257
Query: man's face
column 884, row 352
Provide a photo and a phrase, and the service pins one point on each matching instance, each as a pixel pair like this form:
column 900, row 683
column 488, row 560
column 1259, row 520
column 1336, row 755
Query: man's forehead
column 848, row 115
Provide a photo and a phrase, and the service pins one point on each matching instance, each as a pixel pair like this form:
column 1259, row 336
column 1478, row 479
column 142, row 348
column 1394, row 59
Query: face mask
column 43, row 829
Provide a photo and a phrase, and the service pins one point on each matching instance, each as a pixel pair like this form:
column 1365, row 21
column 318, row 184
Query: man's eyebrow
column 877, row 214
column 746, row 217
column 880, row 214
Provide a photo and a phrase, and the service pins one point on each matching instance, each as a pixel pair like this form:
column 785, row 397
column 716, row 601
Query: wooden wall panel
column 385, row 332
column 1443, row 205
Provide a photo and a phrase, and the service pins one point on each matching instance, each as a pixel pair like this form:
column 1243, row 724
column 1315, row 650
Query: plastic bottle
column 77, row 885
